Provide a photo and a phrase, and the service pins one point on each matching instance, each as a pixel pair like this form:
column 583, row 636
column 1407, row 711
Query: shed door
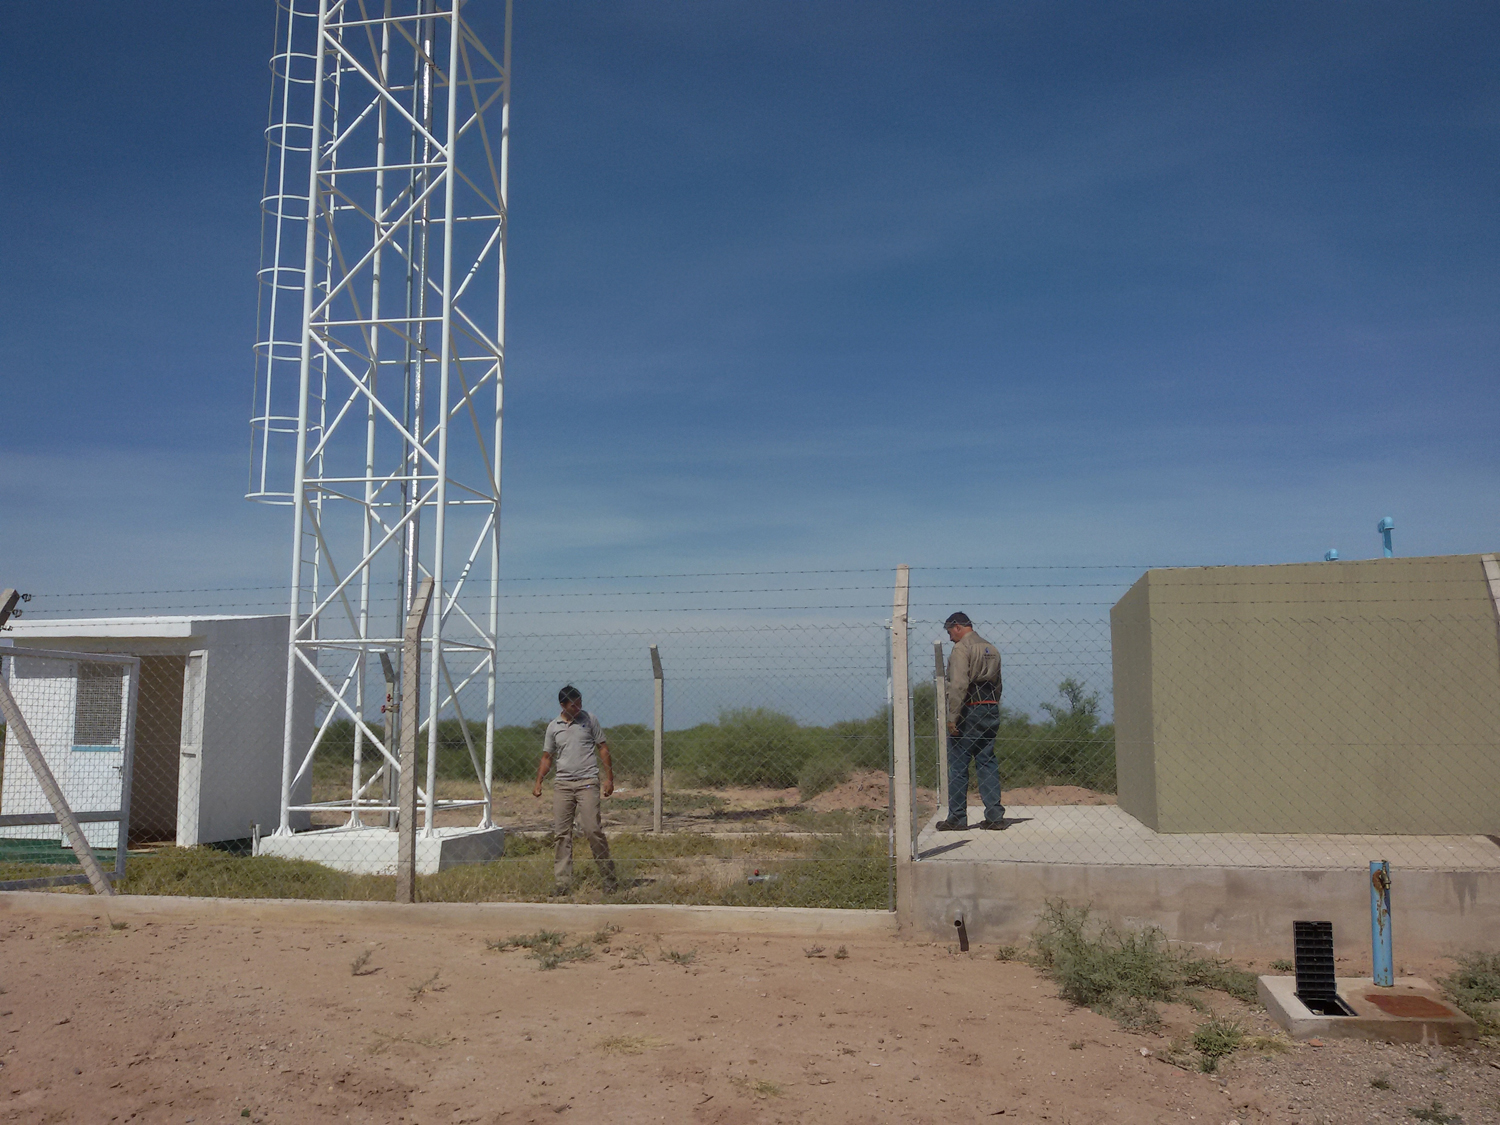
column 94, row 772
column 190, row 755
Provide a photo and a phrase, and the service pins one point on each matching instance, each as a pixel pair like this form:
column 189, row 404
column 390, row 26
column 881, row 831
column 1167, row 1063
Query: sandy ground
column 178, row 1022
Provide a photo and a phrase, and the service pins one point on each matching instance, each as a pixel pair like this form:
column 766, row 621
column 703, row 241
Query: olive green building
column 1337, row 697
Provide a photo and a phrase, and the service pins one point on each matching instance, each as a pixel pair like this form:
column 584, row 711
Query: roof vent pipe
column 1332, row 555
column 1385, row 527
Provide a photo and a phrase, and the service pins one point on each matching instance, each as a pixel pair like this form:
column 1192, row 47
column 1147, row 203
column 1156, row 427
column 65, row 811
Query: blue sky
column 822, row 285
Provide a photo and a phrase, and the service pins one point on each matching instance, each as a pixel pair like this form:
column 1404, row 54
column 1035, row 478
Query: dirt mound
column 867, row 789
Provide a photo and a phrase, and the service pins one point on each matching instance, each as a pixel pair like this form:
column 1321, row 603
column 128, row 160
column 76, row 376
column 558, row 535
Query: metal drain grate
column 1316, row 987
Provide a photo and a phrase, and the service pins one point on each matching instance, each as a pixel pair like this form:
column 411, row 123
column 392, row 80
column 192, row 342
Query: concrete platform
column 1107, row 834
column 1411, row 1011
column 1234, row 895
column 372, row 851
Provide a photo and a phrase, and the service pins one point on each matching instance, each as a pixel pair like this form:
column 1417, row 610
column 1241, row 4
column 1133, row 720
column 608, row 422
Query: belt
column 982, row 688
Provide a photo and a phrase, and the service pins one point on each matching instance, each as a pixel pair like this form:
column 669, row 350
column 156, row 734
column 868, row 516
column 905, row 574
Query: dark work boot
column 951, row 825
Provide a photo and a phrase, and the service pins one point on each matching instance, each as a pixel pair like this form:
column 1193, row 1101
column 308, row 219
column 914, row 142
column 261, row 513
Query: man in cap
column 973, row 722
column 576, row 741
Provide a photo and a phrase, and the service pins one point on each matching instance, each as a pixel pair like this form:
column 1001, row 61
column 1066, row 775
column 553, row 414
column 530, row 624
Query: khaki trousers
column 580, row 798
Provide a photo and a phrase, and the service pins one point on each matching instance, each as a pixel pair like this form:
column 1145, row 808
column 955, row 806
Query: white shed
column 208, row 732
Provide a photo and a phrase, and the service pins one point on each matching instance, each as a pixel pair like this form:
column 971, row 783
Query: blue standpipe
column 1385, row 527
column 1332, row 555
column 1380, row 923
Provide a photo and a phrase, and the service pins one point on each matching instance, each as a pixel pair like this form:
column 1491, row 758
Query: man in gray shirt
column 575, row 740
column 973, row 722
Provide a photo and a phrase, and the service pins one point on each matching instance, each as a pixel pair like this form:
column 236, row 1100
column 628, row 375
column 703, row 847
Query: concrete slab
column 372, row 851
column 1108, row 835
column 1411, row 1011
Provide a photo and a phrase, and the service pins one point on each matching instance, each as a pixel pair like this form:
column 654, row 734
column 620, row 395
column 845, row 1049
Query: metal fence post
column 940, row 723
column 391, row 726
column 901, row 750
column 411, row 688
column 660, row 718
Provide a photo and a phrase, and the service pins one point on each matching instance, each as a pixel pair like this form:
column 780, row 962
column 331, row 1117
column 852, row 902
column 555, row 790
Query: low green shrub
column 1124, row 974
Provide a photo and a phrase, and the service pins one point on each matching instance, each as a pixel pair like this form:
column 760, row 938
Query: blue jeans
column 977, row 726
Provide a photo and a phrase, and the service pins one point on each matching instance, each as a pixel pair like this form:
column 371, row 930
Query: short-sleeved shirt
column 574, row 746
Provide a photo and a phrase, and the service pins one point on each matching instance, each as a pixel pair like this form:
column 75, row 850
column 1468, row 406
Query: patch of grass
column 1282, row 965
column 1076, row 1045
column 1268, row 1044
column 813, row 951
column 1434, row 1113
column 841, row 953
column 680, row 957
column 1216, row 1038
column 629, row 1044
column 604, row 933
column 358, row 966
column 1133, row 1013
column 845, row 867
column 1124, row 974
column 1380, row 1082
column 1475, row 987
column 119, row 925
column 1007, row 953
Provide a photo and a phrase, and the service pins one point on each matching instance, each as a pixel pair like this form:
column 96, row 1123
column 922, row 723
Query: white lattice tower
column 380, row 365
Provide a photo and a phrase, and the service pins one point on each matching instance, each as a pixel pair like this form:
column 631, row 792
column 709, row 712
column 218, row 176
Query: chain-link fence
column 72, row 761
column 773, row 785
column 1269, row 716
column 1313, row 716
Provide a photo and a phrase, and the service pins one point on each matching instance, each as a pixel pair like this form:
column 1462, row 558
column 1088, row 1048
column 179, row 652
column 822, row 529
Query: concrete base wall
column 373, row 851
column 1238, row 912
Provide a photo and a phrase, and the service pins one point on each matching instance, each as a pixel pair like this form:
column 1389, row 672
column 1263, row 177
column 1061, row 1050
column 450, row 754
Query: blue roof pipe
column 1385, row 527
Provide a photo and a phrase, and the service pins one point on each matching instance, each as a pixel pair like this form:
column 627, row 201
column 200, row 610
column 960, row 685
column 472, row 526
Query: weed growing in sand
column 1475, row 987
column 537, row 940
column 1124, row 974
column 546, row 948
column 1007, row 953
column 1215, row 1039
column 1282, row 965
column 119, row 925
column 760, row 1087
column 429, row 985
column 678, row 957
column 358, row 967
column 1434, row 1113
column 629, row 1044
column 1076, row 1045
column 385, row 1039
column 604, row 933
column 841, row 953
column 814, row 951
column 1380, row 1082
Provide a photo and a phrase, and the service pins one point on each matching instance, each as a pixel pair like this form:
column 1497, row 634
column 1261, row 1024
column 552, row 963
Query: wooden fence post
column 411, row 688
column 901, row 756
